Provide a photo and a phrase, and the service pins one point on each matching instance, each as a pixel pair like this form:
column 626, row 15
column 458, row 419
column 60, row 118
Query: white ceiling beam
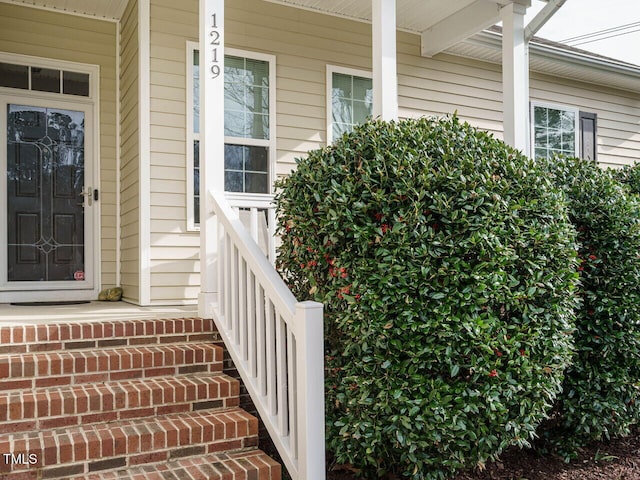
column 475, row 17
column 541, row 18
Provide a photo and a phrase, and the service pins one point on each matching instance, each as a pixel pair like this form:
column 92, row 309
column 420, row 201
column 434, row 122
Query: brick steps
column 123, row 399
column 91, row 403
column 70, row 336
column 90, row 448
column 237, row 466
column 32, row 370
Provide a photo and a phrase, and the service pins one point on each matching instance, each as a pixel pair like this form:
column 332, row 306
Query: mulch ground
column 615, row 460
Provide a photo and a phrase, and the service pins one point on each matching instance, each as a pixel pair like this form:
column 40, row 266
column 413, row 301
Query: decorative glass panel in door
column 45, row 179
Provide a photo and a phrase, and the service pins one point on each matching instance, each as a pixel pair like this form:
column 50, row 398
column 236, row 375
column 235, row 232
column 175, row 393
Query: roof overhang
column 440, row 23
column 110, row 10
column 557, row 60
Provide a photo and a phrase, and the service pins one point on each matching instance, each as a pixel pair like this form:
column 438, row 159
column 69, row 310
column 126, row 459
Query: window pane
column 233, row 69
column 74, row 83
column 342, row 86
column 363, row 89
column 342, row 110
column 540, row 114
column 14, row 76
column 361, row 111
column 196, row 91
column 235, row 124
column 554, row 117
column 256, row 159
column 256, row 183
column 233, row 182
column 257, row 72
column 233, row 157
column 258, row 126
column 45, row 80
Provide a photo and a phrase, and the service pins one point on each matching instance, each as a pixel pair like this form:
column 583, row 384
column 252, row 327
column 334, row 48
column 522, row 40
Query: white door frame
column 68, row 290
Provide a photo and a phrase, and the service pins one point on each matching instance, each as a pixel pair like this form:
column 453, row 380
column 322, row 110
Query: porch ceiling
column 103, row 9
column 442, row 23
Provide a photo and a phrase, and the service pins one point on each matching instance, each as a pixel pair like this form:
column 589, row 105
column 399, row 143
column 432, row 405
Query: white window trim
column 554, row 106
column 30, row 61
column 331, row 69
column 191, row 136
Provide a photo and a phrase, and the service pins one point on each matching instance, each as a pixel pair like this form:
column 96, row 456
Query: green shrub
column 446, row 264
column 630, row 177
column 600, row 397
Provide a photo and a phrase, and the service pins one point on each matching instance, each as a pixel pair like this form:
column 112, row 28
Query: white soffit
column 102, row 9
column 413, row 16
column 557, row 60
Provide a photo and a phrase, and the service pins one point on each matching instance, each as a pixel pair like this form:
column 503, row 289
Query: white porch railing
column 275, row 341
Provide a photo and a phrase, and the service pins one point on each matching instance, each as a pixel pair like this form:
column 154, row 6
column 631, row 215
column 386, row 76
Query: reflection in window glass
column 246, row 98
column 74, row 83
column 554, row 132
column 14, row 76
column 45, row 80
column 351, row 100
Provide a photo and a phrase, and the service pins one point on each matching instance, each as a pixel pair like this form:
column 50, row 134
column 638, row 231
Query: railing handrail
column 275, row 341
column 272, row 281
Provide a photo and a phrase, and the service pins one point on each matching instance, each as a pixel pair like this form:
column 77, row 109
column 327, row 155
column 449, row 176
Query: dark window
column 45, row 80
column 74, row 83
column 14, row 76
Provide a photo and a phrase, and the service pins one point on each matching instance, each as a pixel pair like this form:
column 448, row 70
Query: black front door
column 45, row 180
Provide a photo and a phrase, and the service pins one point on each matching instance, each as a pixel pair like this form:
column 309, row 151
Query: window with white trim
column 349, row 99
column 249, row 119
column 555, row 131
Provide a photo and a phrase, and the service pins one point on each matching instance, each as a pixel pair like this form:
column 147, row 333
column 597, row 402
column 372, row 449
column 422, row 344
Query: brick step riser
column 28, row 411
column 76, row 451
column 91, row 366
column 71, row 336
column 254, row 465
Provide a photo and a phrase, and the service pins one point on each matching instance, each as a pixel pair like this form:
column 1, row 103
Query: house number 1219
column 214, row 33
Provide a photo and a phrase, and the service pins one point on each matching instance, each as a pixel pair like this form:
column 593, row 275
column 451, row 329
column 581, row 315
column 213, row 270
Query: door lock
column 88, row 193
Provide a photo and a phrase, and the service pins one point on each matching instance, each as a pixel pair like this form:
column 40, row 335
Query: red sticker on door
column 79, row 275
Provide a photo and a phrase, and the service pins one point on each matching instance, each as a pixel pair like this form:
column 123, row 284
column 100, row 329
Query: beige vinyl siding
column 304, row 43
column 174, row 259
column 30, row 31
column 129, row 154
column 618, row 128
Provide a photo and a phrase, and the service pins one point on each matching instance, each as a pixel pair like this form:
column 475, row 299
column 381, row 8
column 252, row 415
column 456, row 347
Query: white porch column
column 515, row 76
column 385, row 78
column 211, row 144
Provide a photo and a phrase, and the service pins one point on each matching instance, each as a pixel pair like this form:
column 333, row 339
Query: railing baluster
column 292, row 412
column 227, row 279
column 251, row 325
column 253, row 225
column 281, row 365
column 261, row 339
column 271, row 358
column 271, row 212
column 234, row 293
column 242, row 310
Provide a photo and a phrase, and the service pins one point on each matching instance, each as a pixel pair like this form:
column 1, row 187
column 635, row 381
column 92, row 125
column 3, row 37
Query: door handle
column 87, row 192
